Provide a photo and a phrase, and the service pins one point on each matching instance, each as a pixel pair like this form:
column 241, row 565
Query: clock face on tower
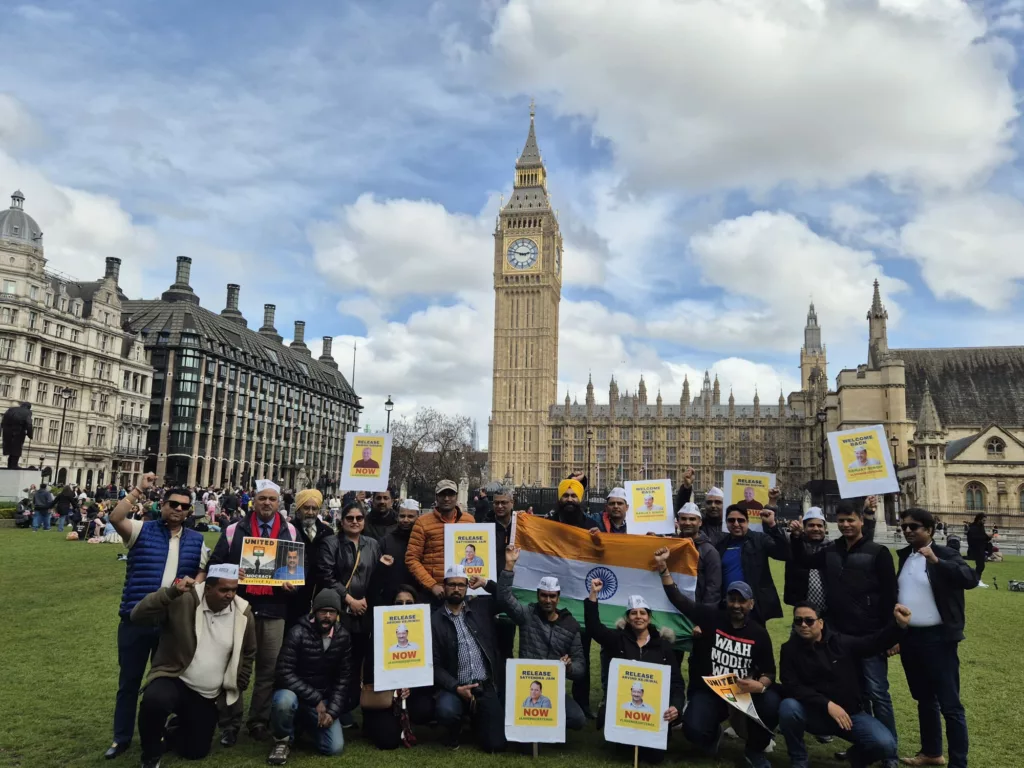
column 522, row 254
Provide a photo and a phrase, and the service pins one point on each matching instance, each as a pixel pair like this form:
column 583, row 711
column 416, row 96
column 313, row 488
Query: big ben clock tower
column 527, row 291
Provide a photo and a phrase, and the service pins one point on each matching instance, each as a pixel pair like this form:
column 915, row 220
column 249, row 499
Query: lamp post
column 590, row 437
column 42, row 467
column 895, row 442
column 822, row 418
column 388, row 406
column 65, row 395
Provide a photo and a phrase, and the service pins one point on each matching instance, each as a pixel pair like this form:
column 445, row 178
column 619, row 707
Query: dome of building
column 15, row 224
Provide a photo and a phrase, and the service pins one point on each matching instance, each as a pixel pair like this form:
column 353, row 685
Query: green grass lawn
column 59, row 676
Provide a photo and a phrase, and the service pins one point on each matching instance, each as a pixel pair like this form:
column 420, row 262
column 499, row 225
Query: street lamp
column 42, row 466
column 822, row 418
column 590, row 436
column 894, row 442
column 65, row 395
column 389, row 406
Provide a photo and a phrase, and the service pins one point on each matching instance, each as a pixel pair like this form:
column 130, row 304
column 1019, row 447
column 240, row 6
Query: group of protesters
column 306, row 649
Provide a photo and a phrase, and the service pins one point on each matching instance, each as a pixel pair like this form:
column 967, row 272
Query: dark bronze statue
column 15, row 426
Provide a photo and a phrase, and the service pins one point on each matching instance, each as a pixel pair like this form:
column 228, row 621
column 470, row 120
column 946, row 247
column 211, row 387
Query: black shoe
column 259, row 733
column 228, row 737
column 153, row 762
column 116, row 750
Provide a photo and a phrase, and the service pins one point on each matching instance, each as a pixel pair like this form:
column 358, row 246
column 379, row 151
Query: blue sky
column 715, row 164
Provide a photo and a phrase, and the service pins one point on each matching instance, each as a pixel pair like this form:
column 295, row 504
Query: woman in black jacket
column 977, row 545
column 637, row 639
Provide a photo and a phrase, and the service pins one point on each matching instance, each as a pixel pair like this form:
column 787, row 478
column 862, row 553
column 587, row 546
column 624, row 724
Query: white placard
column 749, row 489
column 367, row 462
column 638, row 695
column 535, row 701
column 862, row 462
column 403, row 649
column 650, row 507
column 471, row 545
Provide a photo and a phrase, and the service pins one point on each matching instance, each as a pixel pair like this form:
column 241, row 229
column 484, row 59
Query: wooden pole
column 636, row 757
column 536, row 750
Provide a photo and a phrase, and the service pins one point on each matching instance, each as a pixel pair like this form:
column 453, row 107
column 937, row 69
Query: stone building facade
column 63, row 349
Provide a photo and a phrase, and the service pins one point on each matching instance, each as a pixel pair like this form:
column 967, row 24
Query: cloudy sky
column 715, row 163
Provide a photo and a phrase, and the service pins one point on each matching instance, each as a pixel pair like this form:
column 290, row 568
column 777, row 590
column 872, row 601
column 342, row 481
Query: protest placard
column 471, row 545
column 638, row 695
column 749, row 489
column 403, row 652
column 862, row 462
column 367, row 462
column 535, row 701
column 271, row 562
column 650, row 507
column 726, row 687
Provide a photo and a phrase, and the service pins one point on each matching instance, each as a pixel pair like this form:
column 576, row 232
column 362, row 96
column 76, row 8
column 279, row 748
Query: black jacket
column 479, row 613
column 540, row 638
column 338, row 567
column 816, row 673
column 378, row 526
column 711, row 529
column 797, row 576
column 620, row 643
column 274, row 605
column 390, row 577
column 757, row 548
column 313, row 674
column 860, row 584
column 977, row 541
column 949, row 578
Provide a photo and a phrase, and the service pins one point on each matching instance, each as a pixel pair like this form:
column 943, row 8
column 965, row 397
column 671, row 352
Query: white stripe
column 572, row 577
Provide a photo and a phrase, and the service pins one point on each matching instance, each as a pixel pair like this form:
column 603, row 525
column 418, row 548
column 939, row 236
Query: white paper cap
column 714, row 492
column 401, row 628
column 814, row 513
column 455, row 572
column 268, row 485
column 637, row 601
column 410, row 504
column 689, row 508
column 549, row 584
column 618, row 493
column 222, row 571
column 637, row 686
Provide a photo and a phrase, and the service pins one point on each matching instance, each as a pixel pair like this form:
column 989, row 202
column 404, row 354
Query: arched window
column 975, row 493
column 995, row 448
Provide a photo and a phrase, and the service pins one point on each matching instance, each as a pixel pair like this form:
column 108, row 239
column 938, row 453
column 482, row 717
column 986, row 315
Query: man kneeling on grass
column 207, row 648
column 314, row 681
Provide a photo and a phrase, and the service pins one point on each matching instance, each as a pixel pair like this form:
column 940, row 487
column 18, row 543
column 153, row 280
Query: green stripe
column 610, row 615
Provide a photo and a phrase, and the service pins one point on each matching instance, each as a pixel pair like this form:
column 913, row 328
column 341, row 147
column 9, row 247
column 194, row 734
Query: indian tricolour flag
column 624, row 563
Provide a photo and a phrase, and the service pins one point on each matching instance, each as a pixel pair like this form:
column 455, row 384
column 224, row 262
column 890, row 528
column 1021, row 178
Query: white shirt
column 171, row 566
column 214, row 642
column 916, row 593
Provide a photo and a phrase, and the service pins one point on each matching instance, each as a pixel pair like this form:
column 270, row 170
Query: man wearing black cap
column 730, row 642
column 314, row 682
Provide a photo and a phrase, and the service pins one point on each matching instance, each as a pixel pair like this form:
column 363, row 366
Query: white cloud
column 969, row 247
column 712, row 93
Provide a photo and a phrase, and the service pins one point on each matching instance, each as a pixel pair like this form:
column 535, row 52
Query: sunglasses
column 179, row 504
column 807, row 621
column 736, row 520
column 354, row 519
column 911, row 526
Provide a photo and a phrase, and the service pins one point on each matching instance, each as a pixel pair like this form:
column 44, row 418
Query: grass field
column 59, row 615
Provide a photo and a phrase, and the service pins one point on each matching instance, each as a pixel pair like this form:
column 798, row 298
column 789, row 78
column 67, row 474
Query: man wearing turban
column 312, row 532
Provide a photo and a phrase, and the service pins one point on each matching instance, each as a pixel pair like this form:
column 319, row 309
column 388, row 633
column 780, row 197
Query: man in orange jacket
column 424, row 556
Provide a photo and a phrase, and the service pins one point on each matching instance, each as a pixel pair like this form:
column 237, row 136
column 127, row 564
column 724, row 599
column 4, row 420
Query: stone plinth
column 14, row 482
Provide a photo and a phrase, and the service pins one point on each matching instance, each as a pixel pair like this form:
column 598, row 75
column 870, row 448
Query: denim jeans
column 41, row 517
column 60, row 522
column 135, row 645
column 871, row 740
column 933, row 675
column 875, row 698
column 288, row 716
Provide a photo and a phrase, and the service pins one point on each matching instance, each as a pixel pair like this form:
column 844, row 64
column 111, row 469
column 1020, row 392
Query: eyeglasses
column 807, row 621
column 354, row 519
column 735, row 520
column 179, row 504
column 911, row 526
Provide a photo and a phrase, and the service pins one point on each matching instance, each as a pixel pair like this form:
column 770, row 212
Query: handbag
column 371, row 699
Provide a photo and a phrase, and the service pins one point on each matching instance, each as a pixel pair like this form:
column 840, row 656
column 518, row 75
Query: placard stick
column 536, row 750
column 636, row 757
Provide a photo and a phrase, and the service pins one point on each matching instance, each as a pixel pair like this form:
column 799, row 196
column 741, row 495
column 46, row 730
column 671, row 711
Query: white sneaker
column 983, row 585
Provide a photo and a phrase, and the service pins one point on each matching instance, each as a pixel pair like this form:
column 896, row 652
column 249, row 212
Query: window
column 26, row 389
column 75, row 335
column 624, row 456
column 556, row 453
column 61, row 330
column 37, row 427
column 90, row 434
column 719, row 435
column 648, row 455
column 744, row 456
column 695, row 434
column 6, row 383
column 577, row 454
column 8, row 316
column 51, row 435
column 69, row 433
column 30, row 351
column 745, row 435
column 602, row 434
column 42, row 392
column 49, row 299
column 46, row 327
column 6, row 348
column 33, row 292
column 670, row 435
column 76, row 364
column 719, row 456
column 670, row 454
column 602, row 454
column 556, row 433
column 695, row 456
column 10, row 287
column 624, row 433
column 995, row 448
column 45, row 357
column 33, row 320
column 101, row 436
column 975, row 493
column 62, row 362
column 104, row 403
column 579, row 433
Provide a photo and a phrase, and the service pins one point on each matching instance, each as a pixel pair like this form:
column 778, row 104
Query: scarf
column 256, row 529
column 609, row 525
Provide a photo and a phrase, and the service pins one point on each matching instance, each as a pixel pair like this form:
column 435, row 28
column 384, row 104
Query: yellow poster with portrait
column 366, row 463
column 403, row 654
column 472, row 545
column 638, row 695
column 749, row 490
column 862, row 462
column 535, row 701
column 650, row 507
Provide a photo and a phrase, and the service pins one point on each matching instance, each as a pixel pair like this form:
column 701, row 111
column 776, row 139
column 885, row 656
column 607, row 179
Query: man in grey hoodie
column 709, row 568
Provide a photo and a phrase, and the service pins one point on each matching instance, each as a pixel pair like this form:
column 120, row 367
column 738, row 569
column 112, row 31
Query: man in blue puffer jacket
column 159, row 553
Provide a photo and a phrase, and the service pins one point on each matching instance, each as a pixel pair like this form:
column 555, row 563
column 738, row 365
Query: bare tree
column 429, row 447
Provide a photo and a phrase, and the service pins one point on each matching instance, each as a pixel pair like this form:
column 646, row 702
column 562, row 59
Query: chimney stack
column 268, row 328
column 113, row 268
column 325, row 356
column 231, row 311
column 183, row 271
column 299, row 342
column 180, row 290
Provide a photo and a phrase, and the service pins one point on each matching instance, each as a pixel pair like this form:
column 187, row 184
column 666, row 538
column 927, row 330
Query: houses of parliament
column 954, row 417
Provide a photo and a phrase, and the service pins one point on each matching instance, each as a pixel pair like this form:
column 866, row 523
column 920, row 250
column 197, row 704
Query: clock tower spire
column 527, row 292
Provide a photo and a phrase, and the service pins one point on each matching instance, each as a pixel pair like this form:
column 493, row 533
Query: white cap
column 637, row 686
column 268, row 485
column 714, row 492
column 637, row 601
column 689, row 508
column 549, row 584
column 410, row 504
column 618, row 493
column 222, row 571
column 401, row 628
column 455, row 572
column 814, row 513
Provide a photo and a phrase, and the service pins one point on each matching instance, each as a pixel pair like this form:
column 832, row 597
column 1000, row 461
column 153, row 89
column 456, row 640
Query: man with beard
column 613, row 518
column 468, row 672
column 745, row 556
column 731, row 641
column 313, row 533
column 395, row 544
column 381, row 519
column 547, row 632
column 314, row 681
column 713, row 501
column 424, row 556
column 709, row 565
column 569, row 510
column 807, row 584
